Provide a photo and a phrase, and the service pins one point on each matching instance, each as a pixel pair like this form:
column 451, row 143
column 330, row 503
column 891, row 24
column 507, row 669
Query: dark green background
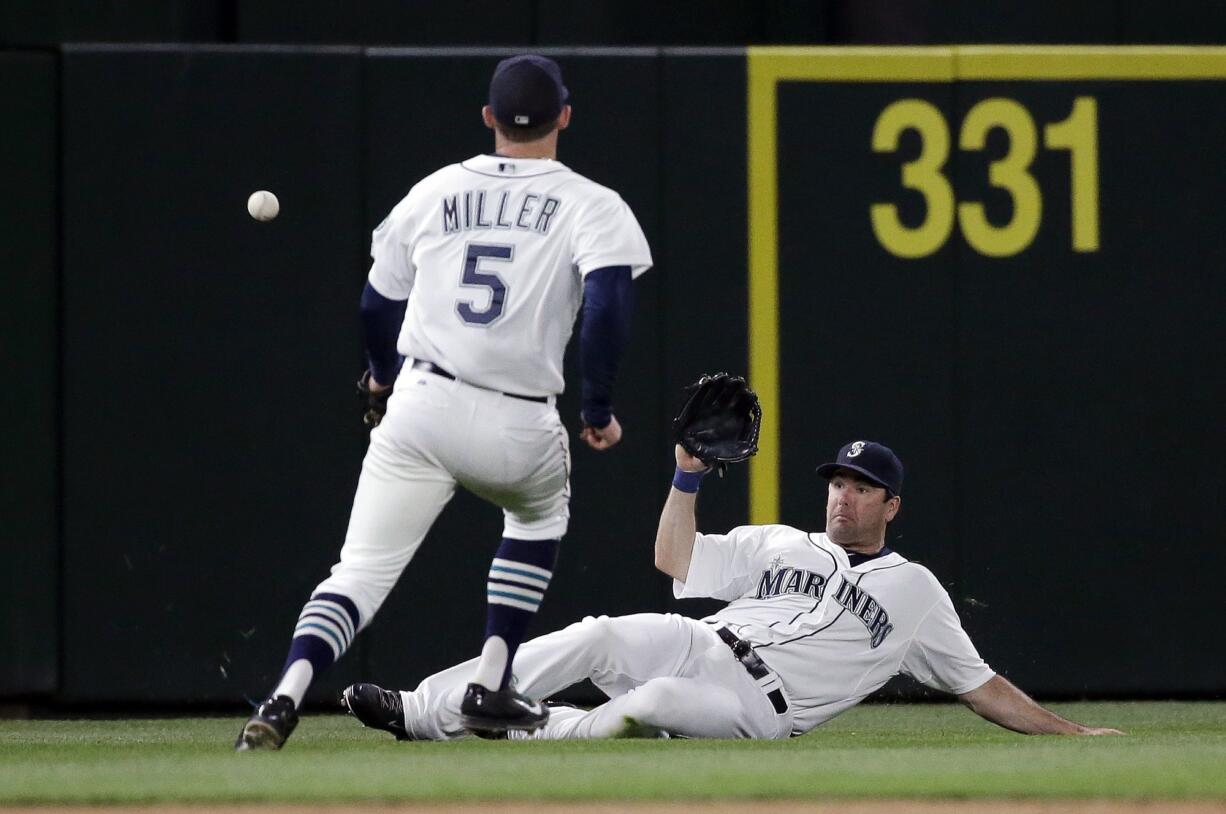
column 210, row 442
column 1056, row 411
column 29, row 596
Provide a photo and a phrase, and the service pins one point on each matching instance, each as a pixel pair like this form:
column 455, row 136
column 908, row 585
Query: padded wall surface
column 702, row 196
column 1052, row 400
column 29, row 586
column 1092, row 501
column 211, row 444
column 1055, row 406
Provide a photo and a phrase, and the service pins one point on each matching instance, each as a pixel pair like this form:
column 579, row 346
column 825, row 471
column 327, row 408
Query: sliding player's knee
column 651, row 703
column 601, row 634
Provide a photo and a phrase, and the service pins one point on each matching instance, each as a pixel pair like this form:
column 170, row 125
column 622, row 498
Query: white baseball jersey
column 834, row 634
column 491, row 255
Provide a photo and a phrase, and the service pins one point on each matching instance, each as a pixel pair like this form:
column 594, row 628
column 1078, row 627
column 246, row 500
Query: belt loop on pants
column 757, row 669
column 430, row 367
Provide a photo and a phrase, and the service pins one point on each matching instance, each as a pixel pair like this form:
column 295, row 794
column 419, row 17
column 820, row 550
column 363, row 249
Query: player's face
column 857, row 511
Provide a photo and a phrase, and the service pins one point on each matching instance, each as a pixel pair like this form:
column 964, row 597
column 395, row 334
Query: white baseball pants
column 663, row 671
column 439, row 432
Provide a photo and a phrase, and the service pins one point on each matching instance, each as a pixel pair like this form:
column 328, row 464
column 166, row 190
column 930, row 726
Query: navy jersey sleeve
column 608, row 300
column 381, row 321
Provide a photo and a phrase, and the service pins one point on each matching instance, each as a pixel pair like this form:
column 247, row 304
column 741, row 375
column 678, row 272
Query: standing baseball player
column 816, row 622
column 477, row 279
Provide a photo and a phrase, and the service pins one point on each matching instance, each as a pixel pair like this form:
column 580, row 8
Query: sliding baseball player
column 815, row 623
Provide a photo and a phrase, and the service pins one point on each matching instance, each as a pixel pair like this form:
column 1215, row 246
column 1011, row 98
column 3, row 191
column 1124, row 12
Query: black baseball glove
column 720, row 420
column 374, row 405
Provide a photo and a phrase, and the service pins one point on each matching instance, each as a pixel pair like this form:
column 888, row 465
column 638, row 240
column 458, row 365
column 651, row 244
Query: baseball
column 263, row 205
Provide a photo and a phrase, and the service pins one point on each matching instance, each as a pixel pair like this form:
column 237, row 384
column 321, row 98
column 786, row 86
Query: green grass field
column 1173, row 751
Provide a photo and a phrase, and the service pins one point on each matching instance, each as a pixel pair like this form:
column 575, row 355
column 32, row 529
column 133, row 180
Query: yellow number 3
column 923, row 175
column 1011, row 173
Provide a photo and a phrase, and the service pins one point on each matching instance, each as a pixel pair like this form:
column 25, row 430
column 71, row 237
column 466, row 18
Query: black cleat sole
column 258, row 735
column 479, row 725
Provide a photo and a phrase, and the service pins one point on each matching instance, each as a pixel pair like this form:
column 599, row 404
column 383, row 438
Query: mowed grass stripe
column 1173, row 751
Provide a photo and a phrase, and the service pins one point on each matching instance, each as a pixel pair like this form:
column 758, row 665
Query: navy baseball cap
column 874, row 461
column 527, row 91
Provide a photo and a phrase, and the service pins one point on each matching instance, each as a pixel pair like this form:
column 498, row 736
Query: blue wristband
column 688, row 481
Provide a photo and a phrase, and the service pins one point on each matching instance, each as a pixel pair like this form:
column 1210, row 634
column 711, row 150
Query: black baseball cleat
column 485, row 711
column 270, row 726
column 376, row 708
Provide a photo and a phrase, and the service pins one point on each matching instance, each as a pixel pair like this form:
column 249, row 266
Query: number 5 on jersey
column 475, row 276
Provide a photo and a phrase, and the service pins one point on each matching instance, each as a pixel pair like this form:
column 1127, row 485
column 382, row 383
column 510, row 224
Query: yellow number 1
column 1079, row 135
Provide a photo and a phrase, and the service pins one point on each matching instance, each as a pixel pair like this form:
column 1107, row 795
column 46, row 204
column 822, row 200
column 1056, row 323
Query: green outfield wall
column 29, row 404
column 1006, row 263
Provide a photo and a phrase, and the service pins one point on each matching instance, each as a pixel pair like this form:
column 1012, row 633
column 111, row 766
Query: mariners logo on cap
column 856, row 448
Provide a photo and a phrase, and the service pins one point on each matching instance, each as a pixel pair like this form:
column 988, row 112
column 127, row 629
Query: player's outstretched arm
column 675, row 535
column 1005, row 705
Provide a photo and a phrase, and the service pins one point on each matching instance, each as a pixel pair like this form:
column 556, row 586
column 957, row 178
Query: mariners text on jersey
column 788, row 580
column 474, row 209
column 867, row 610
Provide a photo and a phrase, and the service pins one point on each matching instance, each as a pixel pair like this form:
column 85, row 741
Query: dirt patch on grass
column 705, row 807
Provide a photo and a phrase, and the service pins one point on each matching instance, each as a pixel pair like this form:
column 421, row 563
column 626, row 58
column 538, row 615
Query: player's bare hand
column 687, row 462
column 1098, row 730
column 602, row 437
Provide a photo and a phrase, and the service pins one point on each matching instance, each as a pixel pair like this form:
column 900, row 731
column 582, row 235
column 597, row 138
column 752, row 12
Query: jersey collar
column 502, row 166
column 860, row 559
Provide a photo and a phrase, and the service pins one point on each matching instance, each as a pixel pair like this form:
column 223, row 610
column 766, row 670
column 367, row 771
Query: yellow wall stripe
column 854, row 64
column 763, row 288
column 1139, row 63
